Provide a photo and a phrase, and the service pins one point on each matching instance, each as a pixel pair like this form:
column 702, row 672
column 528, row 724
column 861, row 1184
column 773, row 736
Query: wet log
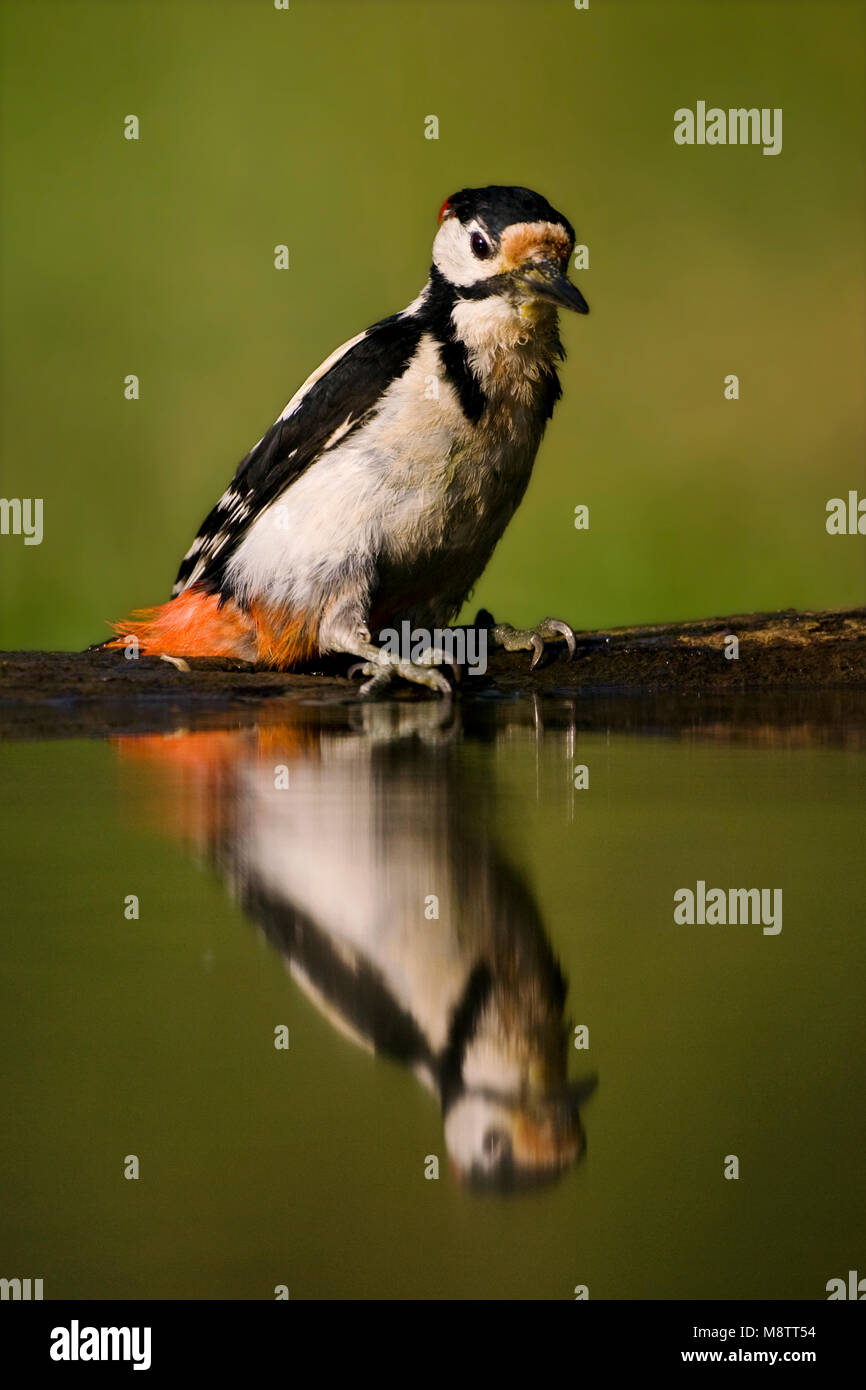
column 633, row 677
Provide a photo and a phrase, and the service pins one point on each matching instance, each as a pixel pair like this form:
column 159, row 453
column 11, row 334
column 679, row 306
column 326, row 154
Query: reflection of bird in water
column 374, row 874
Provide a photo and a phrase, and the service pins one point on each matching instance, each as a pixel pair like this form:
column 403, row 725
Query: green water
column 305, row 1166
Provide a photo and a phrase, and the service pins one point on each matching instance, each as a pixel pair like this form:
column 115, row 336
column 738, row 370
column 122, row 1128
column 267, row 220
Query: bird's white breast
column 417, row 481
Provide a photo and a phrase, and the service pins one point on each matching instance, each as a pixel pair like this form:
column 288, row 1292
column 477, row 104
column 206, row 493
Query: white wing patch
column 238, row 503
column 339, row 432
column 236, row 509
column 320, row 371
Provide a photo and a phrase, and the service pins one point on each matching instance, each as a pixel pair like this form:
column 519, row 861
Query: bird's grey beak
column 546, row 281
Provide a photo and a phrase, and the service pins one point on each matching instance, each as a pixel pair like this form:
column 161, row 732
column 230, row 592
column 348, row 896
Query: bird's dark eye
column 480, row 246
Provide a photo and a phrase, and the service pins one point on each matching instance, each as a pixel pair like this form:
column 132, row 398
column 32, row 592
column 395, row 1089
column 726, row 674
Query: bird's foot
column 384, row 666
column 530, row 639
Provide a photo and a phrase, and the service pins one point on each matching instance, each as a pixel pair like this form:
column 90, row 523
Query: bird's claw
column 385, row 667
column 177, row 661
column 380, row 679
column 435, row 656
column 533, row 639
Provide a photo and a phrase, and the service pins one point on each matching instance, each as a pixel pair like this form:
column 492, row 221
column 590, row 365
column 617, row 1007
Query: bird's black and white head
column 512, row 1119
column 509, row 244
column 508, row 1142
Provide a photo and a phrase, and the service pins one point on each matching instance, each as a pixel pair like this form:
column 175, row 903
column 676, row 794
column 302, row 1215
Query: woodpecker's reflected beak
column 544, row 280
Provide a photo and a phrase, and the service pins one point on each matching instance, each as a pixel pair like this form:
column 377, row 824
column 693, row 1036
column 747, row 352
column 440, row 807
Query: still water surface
column 430, row 907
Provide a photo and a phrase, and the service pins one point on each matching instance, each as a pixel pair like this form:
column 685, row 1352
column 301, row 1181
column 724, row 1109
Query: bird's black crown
column 499, row 206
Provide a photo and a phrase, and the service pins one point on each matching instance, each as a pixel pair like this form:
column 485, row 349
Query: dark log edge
column 806, row 668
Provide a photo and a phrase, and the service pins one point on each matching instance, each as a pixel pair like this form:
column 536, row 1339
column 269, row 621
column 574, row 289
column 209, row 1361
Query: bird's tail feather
column 197, row 623
column 193, row 624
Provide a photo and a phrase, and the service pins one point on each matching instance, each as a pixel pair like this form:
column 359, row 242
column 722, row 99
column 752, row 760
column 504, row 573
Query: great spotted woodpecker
column 379, row 494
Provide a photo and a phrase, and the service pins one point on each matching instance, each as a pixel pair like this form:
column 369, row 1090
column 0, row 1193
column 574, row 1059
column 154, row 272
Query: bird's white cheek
column 452, row 254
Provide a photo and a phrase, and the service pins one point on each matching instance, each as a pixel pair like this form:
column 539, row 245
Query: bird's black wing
column 334, row 402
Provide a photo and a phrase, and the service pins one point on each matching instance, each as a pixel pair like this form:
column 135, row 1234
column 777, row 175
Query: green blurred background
column 306, row 127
